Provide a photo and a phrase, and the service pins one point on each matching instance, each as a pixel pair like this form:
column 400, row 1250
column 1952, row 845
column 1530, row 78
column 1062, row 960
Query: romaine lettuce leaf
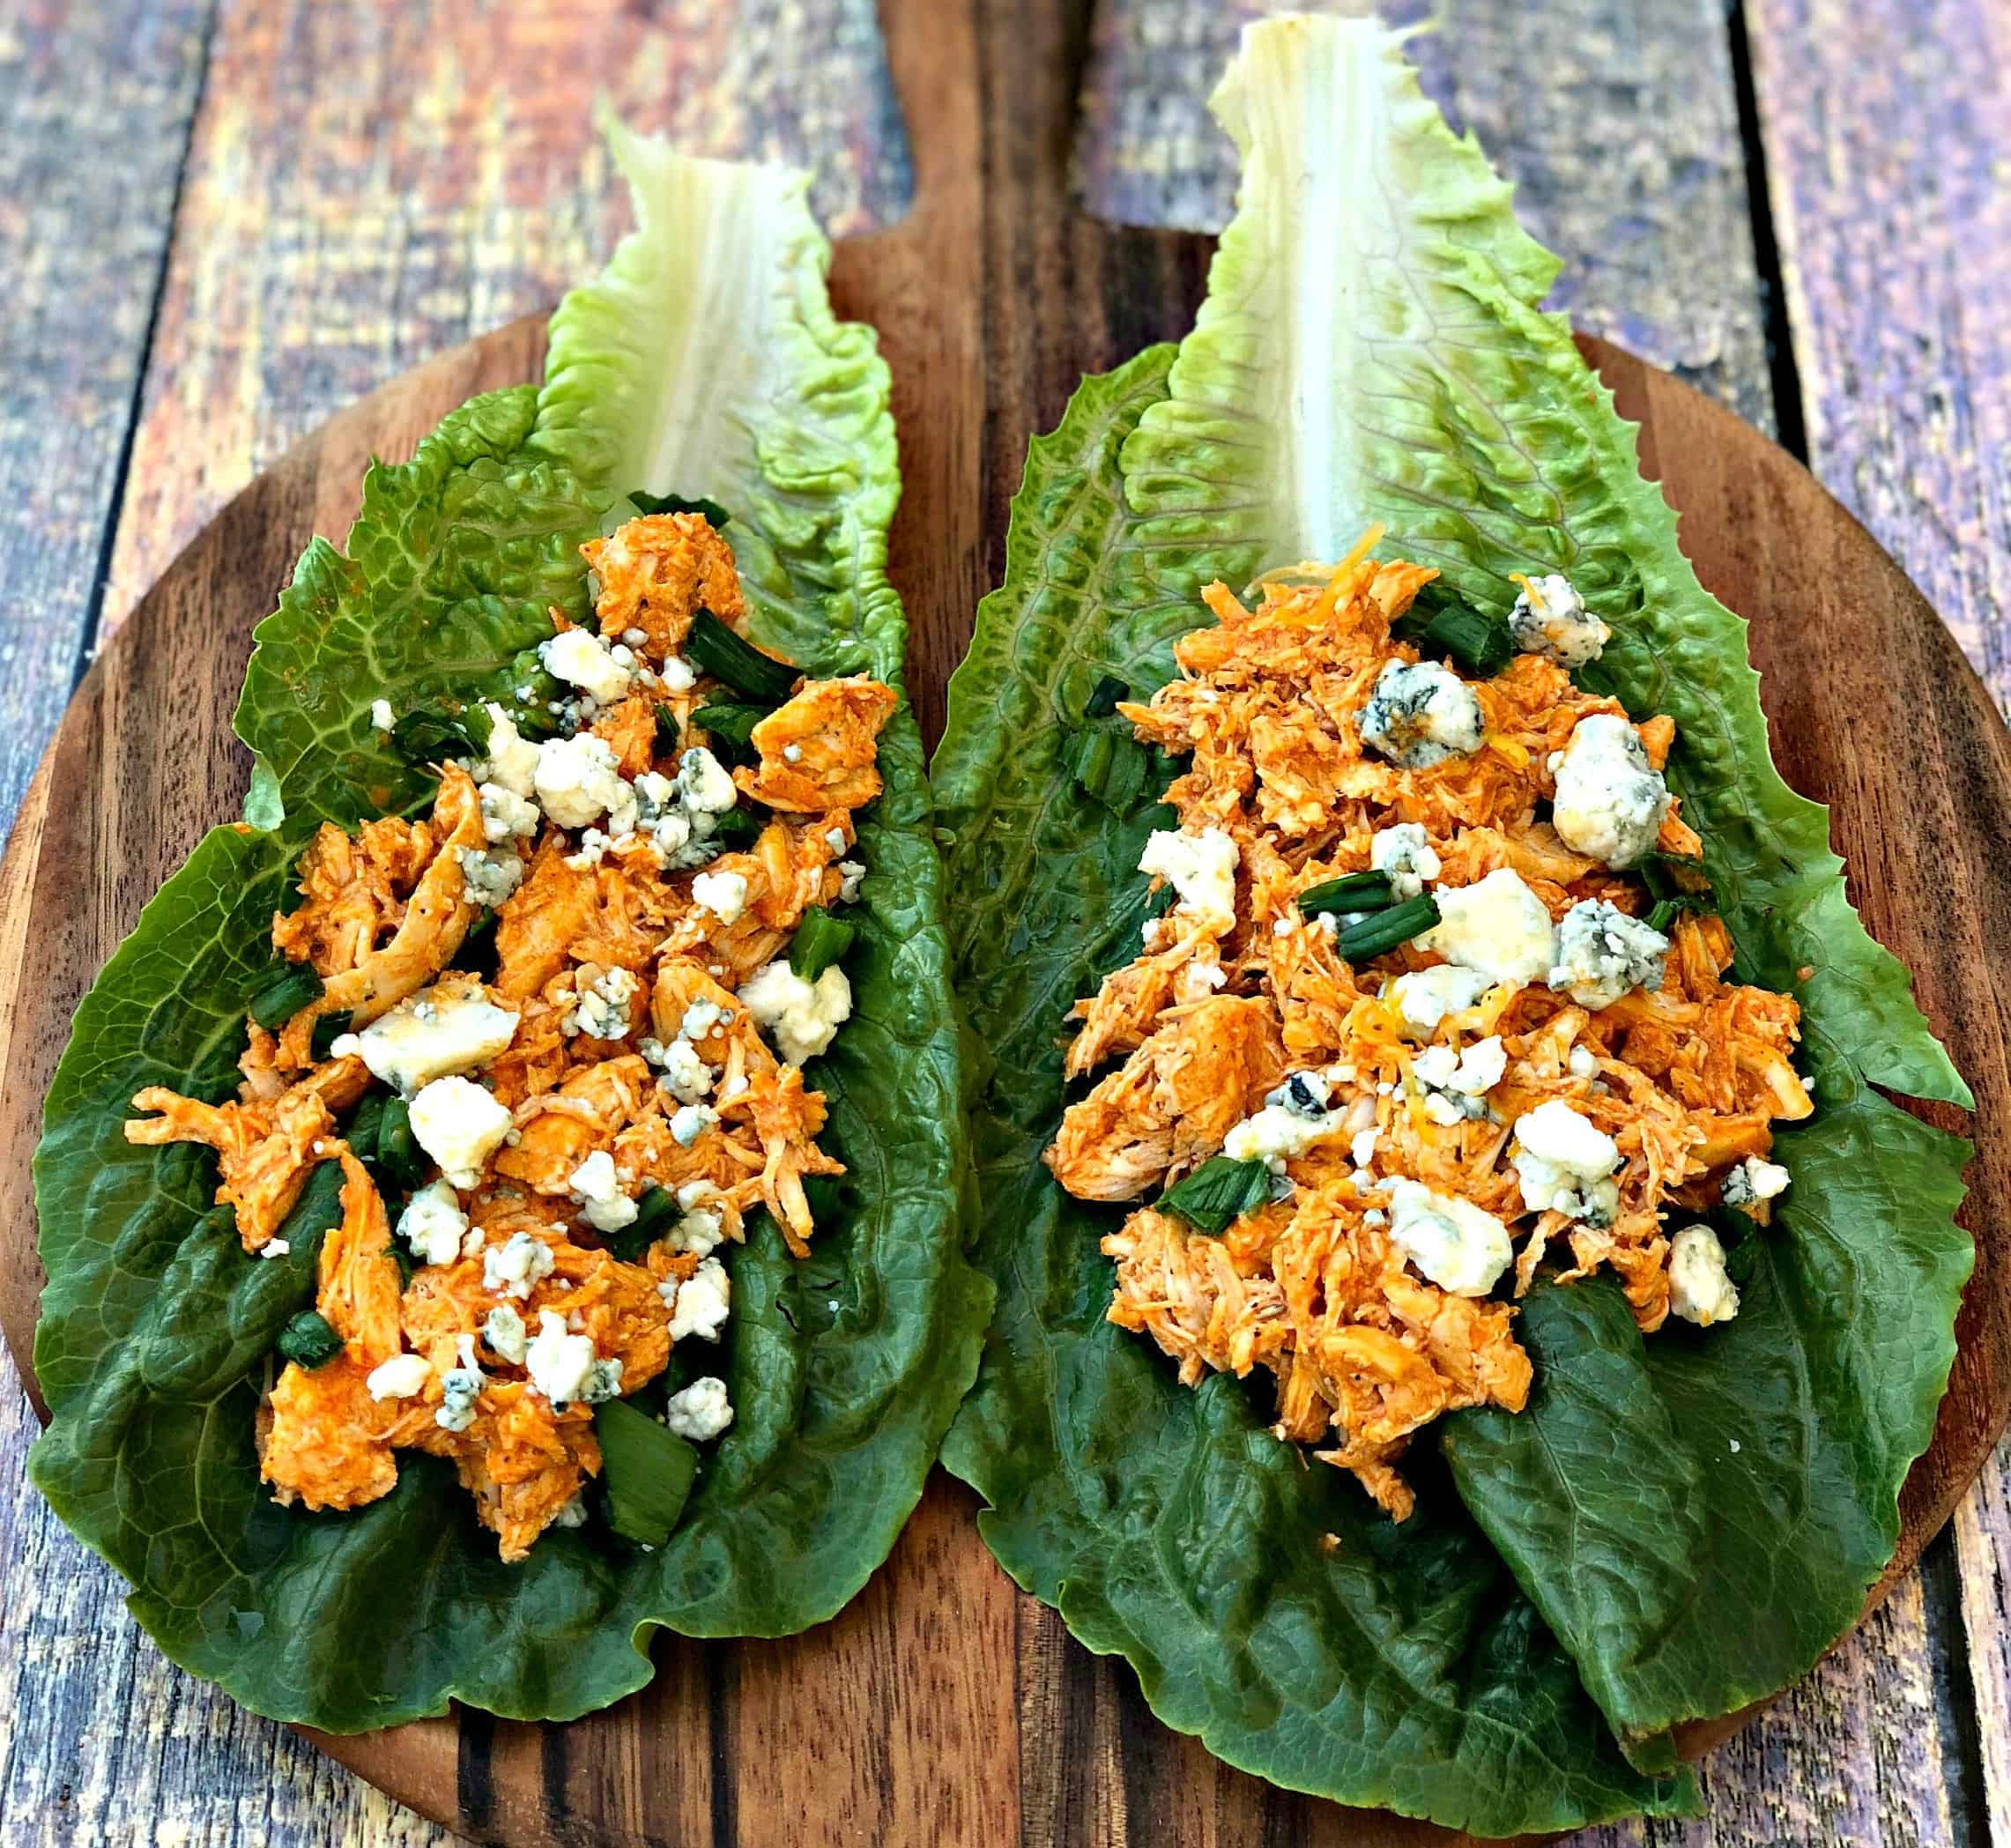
column 1371, row 349
column 1403, row 1668
column 707, row 361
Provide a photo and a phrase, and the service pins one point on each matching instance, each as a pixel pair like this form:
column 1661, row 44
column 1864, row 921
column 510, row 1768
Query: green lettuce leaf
column 1403, row 1668
column 1371, row 350
column 1700, row 1514
column 706, row 361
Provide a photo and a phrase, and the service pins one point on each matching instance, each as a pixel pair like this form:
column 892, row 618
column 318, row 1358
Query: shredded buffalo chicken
column 1353, row 1285
column 610, row 1031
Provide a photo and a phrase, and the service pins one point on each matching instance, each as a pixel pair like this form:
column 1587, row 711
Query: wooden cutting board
column 943, row 1705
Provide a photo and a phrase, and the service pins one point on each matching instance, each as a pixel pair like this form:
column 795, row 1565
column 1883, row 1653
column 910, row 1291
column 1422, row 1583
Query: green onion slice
column 276, row 1003
column 716, row 649
column 1109, row 768
column 1218, row 1191
column 308, row 1340
column 398, row 1152
column 655, row 1213
column 1103, row 697
column 730, row 726
column 1439, row 620
column 820, row 939
column 1378, row 935
column 429, row 735
column 1351, row 891
column 327, row 1030
column 647, row 1470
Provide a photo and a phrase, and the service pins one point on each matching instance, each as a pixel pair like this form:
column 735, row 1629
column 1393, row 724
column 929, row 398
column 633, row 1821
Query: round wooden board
column 943, row 1704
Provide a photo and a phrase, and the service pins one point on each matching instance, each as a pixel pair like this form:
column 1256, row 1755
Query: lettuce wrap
column 705, row 361
column 1672, row 1529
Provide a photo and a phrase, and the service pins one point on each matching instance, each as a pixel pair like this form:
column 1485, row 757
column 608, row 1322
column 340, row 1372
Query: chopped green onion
column 308, row 1340
column 734, row 724
column 821, row 940
column 1477, row 643
column 1663, row 916
column 647, row 1470
column 670, row 735
column 1217, row 1192
column 402, row 1260
column 1109, row 768
column 1673, row 875
column 738, row 827
column 429, row 735
column 1378, row 934
column 398, row 1152
column 327, row 1030
column 655, row 1213
column 276, row 1003
column 716, row 649
column 1103, row 697
column 1351, row 891
column 362, row 1132
column 649, row 503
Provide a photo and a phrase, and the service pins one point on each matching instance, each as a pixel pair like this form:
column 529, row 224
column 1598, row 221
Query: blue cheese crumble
column 1550, row 618
column 1603, row 953
column 1421, row 713
column 1610, row 802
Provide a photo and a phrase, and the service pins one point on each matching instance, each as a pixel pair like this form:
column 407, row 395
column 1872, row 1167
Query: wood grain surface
column 1904, row 1735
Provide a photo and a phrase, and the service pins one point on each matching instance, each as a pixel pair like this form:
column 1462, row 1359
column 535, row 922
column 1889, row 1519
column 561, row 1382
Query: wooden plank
column 1617, row 119
column 1888, row 133
column 1887, row 130
column 95, row 102
column 370, row 185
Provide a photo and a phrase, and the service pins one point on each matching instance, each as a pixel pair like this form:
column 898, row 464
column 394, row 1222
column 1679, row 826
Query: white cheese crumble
column 691, row 1122
column 1699, row 1290
column 560, row 1363
column 1609, row 804
column 506, row 815
column 1603, row 953
column 704, row 783
column 430, row 1035
column 1276, row 1134
column 1426, row 996
column 490, row 878
column 1201, row 869
column 460, row 1125
column 512, row 760
column 1566, row 1162
column 854, row 875
column 601, row 1012
column 1585, row 1062
column 685, row 1076
column 801, row 1018
column 503, row 1328
column 402, row 1377
column 1753, row 1180
column 1406, row 856
column 1421, row 713
column 700, row 1304
column 581, row 657
column 578, row 780
column 461, row 1388
column 725, row 895
column 381, row 718
column 1453, row 1084
column 1453, row 1242
column 699, row 1232
column 1550, row 618
column 515, row 1267
column 1497, row 926
column 433, row 1224
column 701, row 1411
column 593, row 1183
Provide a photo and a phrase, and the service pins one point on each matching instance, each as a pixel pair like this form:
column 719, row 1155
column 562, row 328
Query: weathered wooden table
column 220, row 222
